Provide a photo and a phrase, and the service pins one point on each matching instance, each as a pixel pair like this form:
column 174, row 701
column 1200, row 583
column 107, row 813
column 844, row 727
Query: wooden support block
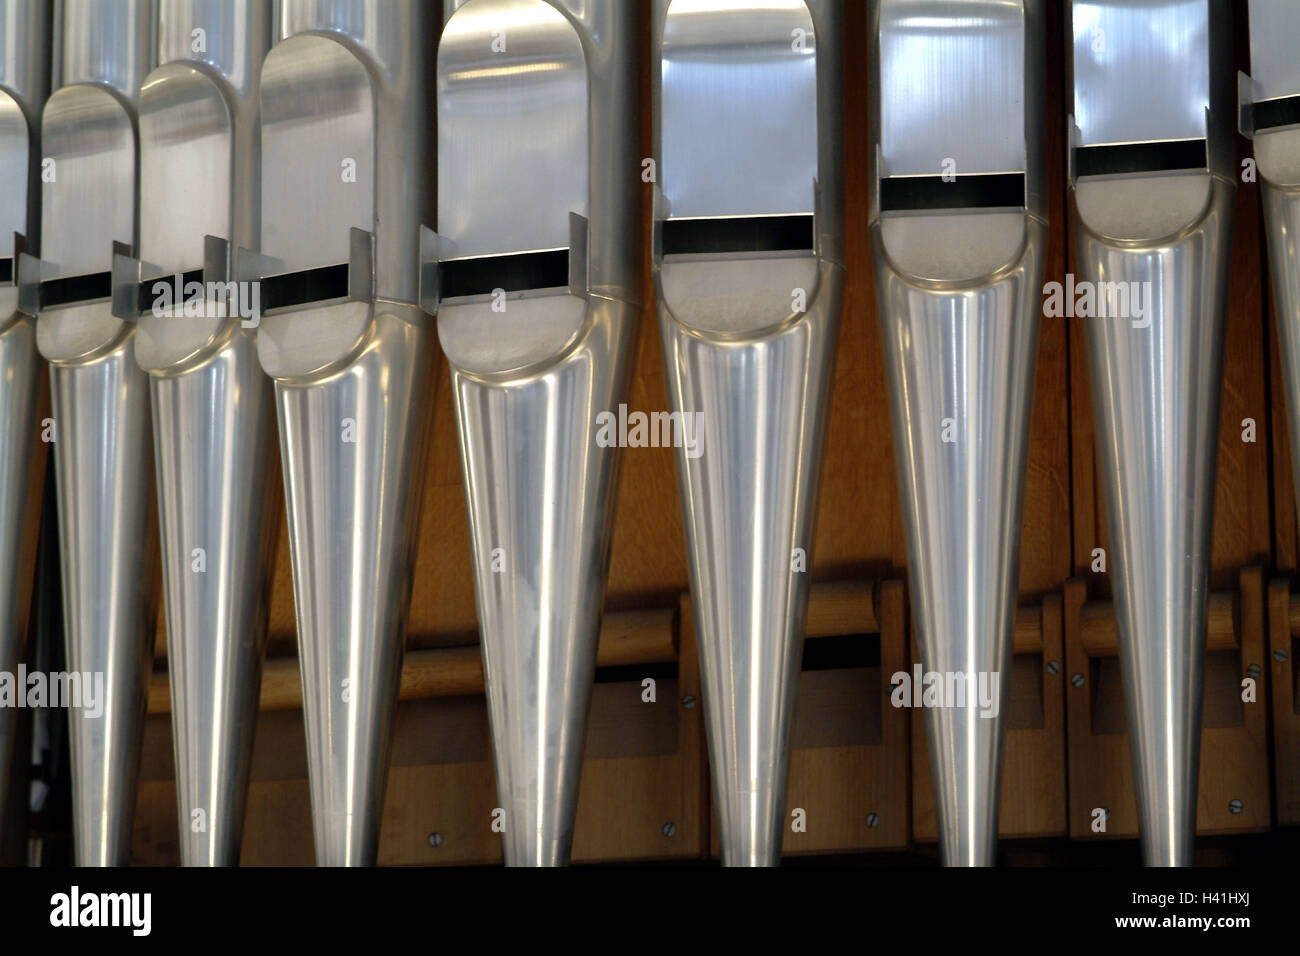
column 1283, row 628
column 1234, row 755
column 849, row 751
column 1032, row 798
column 649, row 806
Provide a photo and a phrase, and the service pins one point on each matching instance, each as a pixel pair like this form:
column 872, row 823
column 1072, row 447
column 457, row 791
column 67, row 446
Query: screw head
column 670, row 829
column 1053, row 667
column 688, row 701
column 1235, row 806
column 1078, row 680
column 435, row 839
column 1279, row 655
column 873, row 820
column 1253, row 670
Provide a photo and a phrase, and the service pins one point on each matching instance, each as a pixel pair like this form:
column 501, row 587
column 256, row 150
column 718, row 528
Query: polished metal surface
column 1162, row 47
column 1156, row 376
column 747, row 127
column 1275, row 74
column 959, row 293
column 952, row 74
column 102, row 452
column 24, row 84
column 345, row 181
column 107, row 539
column 214, row 438
column 545, row 143
column 542, row 134
column 715, row 53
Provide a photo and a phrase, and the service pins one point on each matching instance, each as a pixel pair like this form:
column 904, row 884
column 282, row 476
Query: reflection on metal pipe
column 1270, row 113
column 1152, row 182
column 212, row 417
column 959, row 232
column 100, row 397
column 749, row 276
column 24, row 84
column 534, row 274
column 345, row 168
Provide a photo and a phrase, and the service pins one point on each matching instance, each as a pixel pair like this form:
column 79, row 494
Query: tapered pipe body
column 345, row 186
column 100, row 398
column 1152, row 237
column 213, row 425
column 749, row 281
column 959, row 267
column 1272, row 93
column 24, row 84
column 537, row 294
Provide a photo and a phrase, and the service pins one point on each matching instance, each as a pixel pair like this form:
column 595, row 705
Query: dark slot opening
column 301, row 288
column 517, row 272
column 145, row 295
column 984, row 191
column 636, row 672
column 1140, row 158
column 7, row 270
column 83, row 288
column 841, row 651
column 1271, row 114
column 738, row 234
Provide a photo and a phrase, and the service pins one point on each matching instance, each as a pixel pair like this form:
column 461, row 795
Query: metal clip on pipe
column 212, row 417
column 1270, row 115
column 24, row 85
column 1152, row 176
column 345, row 168
column 100, row 397
column 534, row 275
column 749, row 276
column 959, row 232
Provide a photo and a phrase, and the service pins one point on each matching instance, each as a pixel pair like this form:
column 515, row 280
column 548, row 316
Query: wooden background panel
column 1045, row 558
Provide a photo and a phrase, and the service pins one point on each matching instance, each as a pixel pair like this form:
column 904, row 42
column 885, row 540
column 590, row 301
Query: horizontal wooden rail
column 626, row 638
column 629, row 637
column 1100, row 633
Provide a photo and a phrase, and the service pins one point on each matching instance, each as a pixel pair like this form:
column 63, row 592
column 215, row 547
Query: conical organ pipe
column 959, row 231
column 1152, row 185
column 749, row 279
column 534, row 276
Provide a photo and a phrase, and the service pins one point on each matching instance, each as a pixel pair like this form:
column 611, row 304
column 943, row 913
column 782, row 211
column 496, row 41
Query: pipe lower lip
column 353, row 448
